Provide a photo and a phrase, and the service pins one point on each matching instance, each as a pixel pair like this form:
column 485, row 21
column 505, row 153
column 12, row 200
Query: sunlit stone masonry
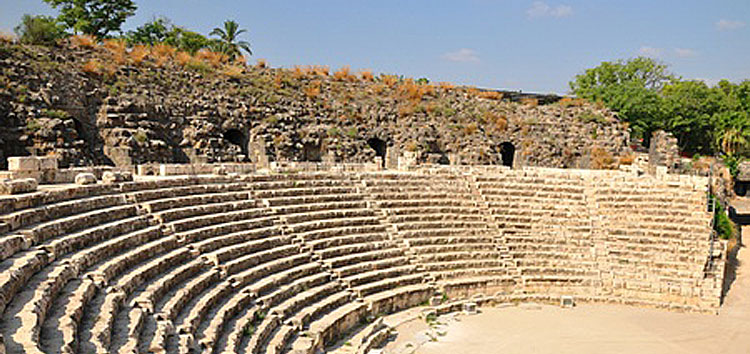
column 223, row 258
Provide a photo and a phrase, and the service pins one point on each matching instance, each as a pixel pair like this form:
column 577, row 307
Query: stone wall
column 171, row 114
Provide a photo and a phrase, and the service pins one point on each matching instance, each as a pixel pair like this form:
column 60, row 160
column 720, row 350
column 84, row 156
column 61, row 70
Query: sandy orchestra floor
column 591, row 328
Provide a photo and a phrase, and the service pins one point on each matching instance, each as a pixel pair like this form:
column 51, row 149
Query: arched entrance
column 311, row 152
column 380, row 148
column 237, row 138
column 507, row 153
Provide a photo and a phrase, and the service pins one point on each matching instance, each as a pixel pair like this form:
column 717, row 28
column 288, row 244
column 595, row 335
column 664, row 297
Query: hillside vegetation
column 103, row 102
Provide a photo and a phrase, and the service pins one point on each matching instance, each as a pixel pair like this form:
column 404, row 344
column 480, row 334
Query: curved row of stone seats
column 546, row 226
column 273, row 263
column 253, row 273
column 656, row 238
column 58, row 252
column 442, row 223
column 331, row 217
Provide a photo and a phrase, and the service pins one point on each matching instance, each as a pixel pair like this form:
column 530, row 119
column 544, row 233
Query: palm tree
column 732, row 140
column 228, row 42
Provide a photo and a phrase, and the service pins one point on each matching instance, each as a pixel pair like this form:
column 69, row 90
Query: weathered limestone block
column 17, row 186
column 109, row 177
column 23, row 163
column 47, row 163
column 85, row 178
column 744, row 172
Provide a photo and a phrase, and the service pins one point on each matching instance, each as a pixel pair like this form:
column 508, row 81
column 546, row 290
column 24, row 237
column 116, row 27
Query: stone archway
column 380, row 147
column 507, row 153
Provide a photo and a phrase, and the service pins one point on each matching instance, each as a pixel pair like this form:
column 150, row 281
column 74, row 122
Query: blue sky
column 534, row 46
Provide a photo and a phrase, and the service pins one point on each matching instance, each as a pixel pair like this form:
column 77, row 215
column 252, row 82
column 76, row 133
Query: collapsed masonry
column 234, row 260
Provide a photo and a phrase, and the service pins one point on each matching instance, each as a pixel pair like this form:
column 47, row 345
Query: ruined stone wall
column 172, row 114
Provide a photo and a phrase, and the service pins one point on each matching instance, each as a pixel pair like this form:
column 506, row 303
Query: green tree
column 155, row 31
column 228, row 39
column 40, row 30
column 94, row 17
column 161, row 30
column 688, row 108
column 629, row 87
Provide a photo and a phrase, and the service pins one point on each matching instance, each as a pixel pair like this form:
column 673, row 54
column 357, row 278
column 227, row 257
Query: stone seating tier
column 293, row 261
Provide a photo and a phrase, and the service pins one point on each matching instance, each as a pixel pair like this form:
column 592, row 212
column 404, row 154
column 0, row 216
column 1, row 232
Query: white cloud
column 542, row 9
column 463, row 55
column 685, row 52
column 651, row 52
column 728, row 25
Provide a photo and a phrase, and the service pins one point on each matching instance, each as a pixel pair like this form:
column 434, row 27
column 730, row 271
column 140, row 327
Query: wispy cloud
column 542, row 9
column 685, row 52
column 651, row 52
column 463, row 55
column 728, row 25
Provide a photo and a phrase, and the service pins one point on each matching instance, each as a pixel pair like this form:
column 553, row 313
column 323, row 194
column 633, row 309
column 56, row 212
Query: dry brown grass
column 91, row 67
column 183, row 58
column 471, row 128
column 278, row 79
column 212, row 58
column 82, row 41
column 96, row 67
column 378, row 88
column 261, row 64
column 572, row 102
column 138, row 54
column 7, row 37
column 406, row 109
column 162, row 53
column 446, row 86
column 233, row 71
column 117, row 50
column 313, row 89
column 498, row 121
column 366, row 75
column 490, row 95
column 602, row 160
column 344, row 74
column 627, row 159
column 531, row 102
column 472, row 92
column 411, row 91
column 299, row 72
column 321, row 70
column 389, row 80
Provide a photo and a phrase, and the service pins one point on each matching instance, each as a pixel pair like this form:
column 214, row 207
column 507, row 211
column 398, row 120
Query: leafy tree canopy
column 95, row 17
column 704, row 119
column 40, row 30
column 161, row 30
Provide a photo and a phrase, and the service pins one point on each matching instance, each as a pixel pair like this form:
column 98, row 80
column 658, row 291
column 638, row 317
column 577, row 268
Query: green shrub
column 590, row 117
column 733, row 164
column 33, row 125
column 723, row 226
column 39, row 30
column 140, row 137
column 55, row 113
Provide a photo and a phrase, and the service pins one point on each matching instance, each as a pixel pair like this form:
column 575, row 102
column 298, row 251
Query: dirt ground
column 589, row 328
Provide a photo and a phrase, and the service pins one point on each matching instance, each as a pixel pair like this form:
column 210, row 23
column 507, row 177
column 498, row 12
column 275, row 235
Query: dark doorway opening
column 380, row 148
column 80, row 131
column 507, row 152
column 237, row 138
column 311, row 152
